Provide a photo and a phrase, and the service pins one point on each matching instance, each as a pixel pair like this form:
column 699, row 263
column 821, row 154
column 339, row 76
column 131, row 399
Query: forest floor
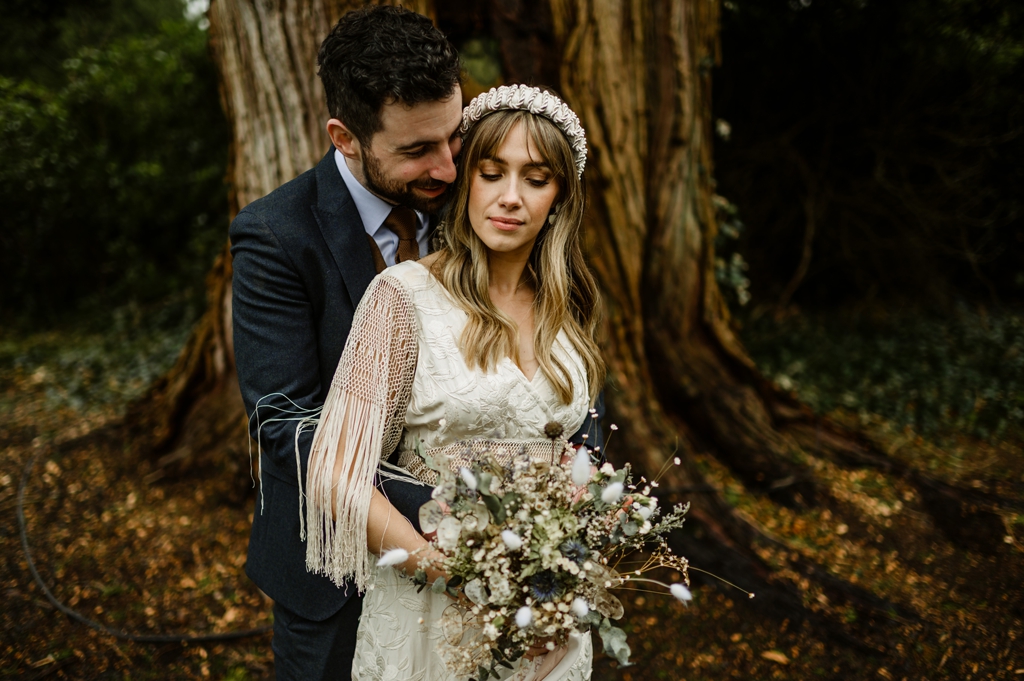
column 160, row 556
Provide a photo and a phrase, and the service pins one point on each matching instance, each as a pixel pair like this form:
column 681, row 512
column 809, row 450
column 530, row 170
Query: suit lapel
column 342, row 229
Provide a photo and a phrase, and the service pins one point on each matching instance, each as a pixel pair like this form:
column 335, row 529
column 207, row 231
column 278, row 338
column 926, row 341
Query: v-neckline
column 529, row 379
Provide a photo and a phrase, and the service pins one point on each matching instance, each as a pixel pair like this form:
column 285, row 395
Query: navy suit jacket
column 301, row 264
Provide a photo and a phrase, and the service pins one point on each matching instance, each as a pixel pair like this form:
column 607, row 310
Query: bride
column 490, row 337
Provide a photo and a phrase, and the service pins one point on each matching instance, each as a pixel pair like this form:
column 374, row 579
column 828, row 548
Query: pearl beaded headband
column 537, row 102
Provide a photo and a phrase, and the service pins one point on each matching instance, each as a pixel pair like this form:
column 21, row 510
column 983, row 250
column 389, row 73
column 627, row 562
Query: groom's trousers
column 305, row 650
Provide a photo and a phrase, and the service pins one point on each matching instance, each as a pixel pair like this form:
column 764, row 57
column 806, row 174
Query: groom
column 303, row 256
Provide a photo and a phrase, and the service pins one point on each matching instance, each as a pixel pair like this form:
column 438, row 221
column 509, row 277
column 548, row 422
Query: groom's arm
column 274, row 339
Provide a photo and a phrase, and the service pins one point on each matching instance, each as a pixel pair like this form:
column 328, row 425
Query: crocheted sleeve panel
column 361, row 421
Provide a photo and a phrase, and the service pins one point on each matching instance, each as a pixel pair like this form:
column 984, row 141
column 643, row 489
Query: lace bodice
column 403, row 378
column 451, row 403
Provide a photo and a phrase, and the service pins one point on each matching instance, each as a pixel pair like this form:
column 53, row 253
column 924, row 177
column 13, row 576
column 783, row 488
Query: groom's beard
column 401, row 193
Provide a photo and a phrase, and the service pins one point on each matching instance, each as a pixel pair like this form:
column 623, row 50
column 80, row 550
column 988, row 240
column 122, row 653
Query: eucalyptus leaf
column 496, row 508
column 476, row 592
column 439, row 586
column 484, row 483
column 430, row 516
column 614, row 640
column 607, row 604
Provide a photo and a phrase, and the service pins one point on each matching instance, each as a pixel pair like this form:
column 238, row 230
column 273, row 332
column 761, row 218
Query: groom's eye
column 415, row 153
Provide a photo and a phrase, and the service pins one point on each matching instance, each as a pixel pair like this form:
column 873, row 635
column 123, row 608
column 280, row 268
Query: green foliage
column 963, row 372
column 100, row 368
column 112, row 185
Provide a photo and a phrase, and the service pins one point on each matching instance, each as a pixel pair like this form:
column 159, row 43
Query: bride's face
column 510, row 196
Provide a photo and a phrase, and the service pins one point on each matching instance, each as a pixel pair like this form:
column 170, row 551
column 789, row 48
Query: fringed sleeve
column 362, row 419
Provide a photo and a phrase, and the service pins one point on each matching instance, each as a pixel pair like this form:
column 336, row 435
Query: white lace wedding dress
column 402, row 380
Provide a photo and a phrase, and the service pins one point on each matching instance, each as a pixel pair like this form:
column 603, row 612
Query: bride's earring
column 553, row 214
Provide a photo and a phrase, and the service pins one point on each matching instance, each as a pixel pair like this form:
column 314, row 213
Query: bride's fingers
column 549, row 662
column 536, row 650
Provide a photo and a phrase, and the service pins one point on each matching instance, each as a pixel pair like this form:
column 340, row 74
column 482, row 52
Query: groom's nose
column 444, row 164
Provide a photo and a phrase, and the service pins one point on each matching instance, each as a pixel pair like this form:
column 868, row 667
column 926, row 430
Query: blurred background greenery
column 114, row 146
column 112, row 192
column 871, row 156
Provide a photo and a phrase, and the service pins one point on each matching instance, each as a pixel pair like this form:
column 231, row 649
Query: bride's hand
column 550, row 661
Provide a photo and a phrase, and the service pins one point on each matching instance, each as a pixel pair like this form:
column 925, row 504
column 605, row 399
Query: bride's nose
column 510, row 196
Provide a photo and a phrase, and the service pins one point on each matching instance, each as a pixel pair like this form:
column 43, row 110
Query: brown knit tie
column 402, row 221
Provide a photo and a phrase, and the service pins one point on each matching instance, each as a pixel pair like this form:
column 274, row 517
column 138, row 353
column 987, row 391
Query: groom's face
column 411, row 159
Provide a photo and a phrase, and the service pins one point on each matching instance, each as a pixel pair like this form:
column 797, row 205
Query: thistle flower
column 393, row 557
column 524, row 617
column 681, row 593
column 544, row 586
column 574, row 551
column 612, row 493
column 581, row 467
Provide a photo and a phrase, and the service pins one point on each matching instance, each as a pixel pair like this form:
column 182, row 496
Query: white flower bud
column 608, row 469
column 512, row 540
column 468, row 478
column 581, row 467
column 681, row 593
column 524, row 617
column 580, row 607
column 393, row 557
column 612, row 493
column 645, row 512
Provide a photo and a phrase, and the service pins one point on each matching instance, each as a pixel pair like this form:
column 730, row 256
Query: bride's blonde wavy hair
column 567, row 298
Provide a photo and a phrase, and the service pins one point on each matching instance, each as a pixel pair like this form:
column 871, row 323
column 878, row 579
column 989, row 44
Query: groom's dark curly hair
column 379, row 55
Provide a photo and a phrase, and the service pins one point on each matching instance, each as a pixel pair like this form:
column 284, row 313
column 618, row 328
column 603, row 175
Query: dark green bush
column 112, row 182
column 937, row 374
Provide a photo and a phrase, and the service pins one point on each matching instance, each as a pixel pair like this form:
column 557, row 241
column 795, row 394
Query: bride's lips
column 505, row 224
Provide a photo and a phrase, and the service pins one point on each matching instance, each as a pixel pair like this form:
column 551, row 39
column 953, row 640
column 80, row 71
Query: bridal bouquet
column 532, row 549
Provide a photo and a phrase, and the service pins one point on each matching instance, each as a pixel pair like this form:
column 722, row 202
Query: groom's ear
column 343, row 139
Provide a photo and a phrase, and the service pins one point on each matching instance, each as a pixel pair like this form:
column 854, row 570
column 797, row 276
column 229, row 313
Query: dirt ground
column 165, row 557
